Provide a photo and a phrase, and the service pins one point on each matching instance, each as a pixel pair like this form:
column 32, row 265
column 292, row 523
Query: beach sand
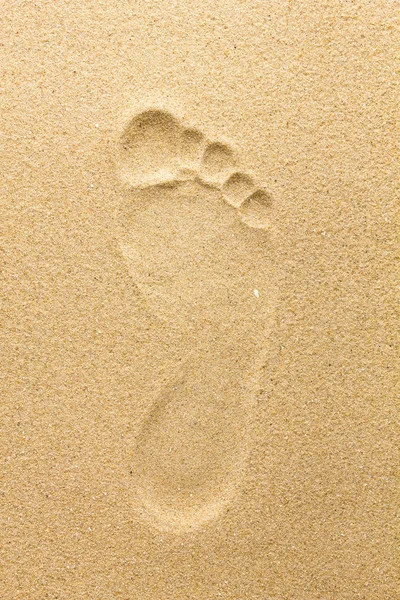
column 198, row 310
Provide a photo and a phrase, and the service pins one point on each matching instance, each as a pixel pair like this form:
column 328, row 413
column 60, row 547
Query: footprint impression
column 195, row 234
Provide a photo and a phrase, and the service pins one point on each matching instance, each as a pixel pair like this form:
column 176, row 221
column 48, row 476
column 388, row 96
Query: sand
column 198, row 309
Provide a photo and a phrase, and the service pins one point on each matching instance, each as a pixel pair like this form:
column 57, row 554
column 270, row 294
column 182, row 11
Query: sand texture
column 198, row 324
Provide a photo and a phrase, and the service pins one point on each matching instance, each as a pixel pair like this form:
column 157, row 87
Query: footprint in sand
column 195, row 233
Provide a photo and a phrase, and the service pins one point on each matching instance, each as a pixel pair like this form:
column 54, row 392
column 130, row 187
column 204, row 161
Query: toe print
column 255, row 209
column 217, row 164
column 149, row 149
column 194, row 233
column 237, row 188
column 192, row 146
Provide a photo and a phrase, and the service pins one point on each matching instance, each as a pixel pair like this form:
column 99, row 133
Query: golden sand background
column 305, row 91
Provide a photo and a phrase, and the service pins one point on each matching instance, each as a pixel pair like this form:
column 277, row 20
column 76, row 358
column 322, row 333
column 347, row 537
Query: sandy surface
column 198, row 324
